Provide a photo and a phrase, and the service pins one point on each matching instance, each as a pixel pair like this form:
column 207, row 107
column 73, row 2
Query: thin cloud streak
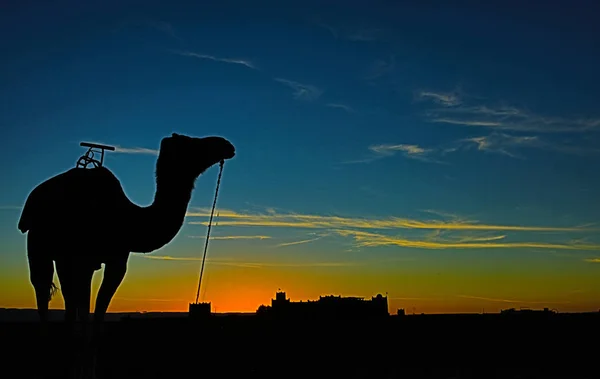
column 389, row 150
column 340, row 106
column 242, row 62
column 502, row 143
column 362, row 231
column 408, row 151
column 366, row 239
column 380, row 69
column 466, row 122
column 130, row 150
column 495, row 142
column 299, row 242
column 502, row 117
column 242, row 264
column 511, row 301
column 592, row 260
column 301, row 91
column 294, row 220
column 10, row 208
column 447, row 99
column 481, row 239
column 507, row 144
column 135, row 150
column 233, row 237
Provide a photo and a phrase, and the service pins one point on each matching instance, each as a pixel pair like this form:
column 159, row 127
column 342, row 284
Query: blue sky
column 471, row 114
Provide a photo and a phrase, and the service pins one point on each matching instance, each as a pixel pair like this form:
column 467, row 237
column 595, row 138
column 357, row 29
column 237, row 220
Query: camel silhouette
column 82, row 218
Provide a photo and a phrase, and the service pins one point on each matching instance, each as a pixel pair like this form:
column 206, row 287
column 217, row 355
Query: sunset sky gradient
column 445, row 155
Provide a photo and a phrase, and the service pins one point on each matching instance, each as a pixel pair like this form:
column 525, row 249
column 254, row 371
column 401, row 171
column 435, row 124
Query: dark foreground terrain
column 477, row 346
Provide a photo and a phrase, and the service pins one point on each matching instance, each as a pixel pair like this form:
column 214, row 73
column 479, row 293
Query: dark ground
column 477, row 346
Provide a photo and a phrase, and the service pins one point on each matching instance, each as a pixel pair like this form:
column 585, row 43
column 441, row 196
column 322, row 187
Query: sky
column 445, row 155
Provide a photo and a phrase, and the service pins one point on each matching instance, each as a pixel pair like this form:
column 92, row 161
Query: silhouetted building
column 199, row 310
column 527, row 311
column 401, row 312
column 327, row 307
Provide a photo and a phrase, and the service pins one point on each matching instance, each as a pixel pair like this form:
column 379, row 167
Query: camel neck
column 159, row 223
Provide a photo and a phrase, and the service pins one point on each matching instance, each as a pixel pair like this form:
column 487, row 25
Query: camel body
column 80, row 214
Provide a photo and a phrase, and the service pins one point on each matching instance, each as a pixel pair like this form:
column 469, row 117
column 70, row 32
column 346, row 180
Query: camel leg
column 67, row 277
column 114, row 272
column 41, row 272
column 65, row 271
column 76, row 284
column 84, row 289
column 83, row 294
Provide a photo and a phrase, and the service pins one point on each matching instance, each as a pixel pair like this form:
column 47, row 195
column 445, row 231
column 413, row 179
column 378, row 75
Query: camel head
column 191, row 156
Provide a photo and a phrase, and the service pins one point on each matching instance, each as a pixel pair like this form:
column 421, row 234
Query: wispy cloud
column 481, row 239
column 10, row 208
column 308, row 221
column 243, row 62
column 448, row 215
column 448, row 236
column 130, row 150
column 368, row 239
column 380, row 68
column 502, row 117
column 447, row 99
column 333, row 31
column 164, row 27
column 302, row 91
column 135, row 150
column 373, row 232
column 408, row 151
column 511, row 145
column 297, row 242
column 510, row 301
column 245, row 264
column 495, row 142
column 341, row 106
column 388, row 150
column 300, row 242
column 392, row 149
column 233, row 237
column 501, row 143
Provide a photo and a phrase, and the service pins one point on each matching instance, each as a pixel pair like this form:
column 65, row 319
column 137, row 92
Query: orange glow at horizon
column 419, row 287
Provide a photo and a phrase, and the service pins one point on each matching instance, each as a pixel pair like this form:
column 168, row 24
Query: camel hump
column 66, row 191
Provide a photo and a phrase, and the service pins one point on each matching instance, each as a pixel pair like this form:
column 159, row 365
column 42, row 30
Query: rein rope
column 212, row 212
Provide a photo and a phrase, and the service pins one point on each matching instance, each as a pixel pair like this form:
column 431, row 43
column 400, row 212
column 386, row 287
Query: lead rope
column 212, row 212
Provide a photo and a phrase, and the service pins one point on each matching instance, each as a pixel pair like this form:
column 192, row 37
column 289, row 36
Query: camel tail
column 53, row 290
column 28, row 213
column 23, row 227
column 24, row 221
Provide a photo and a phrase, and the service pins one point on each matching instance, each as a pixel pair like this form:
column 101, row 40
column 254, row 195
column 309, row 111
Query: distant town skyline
column 279, row 296
column 448, row 155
